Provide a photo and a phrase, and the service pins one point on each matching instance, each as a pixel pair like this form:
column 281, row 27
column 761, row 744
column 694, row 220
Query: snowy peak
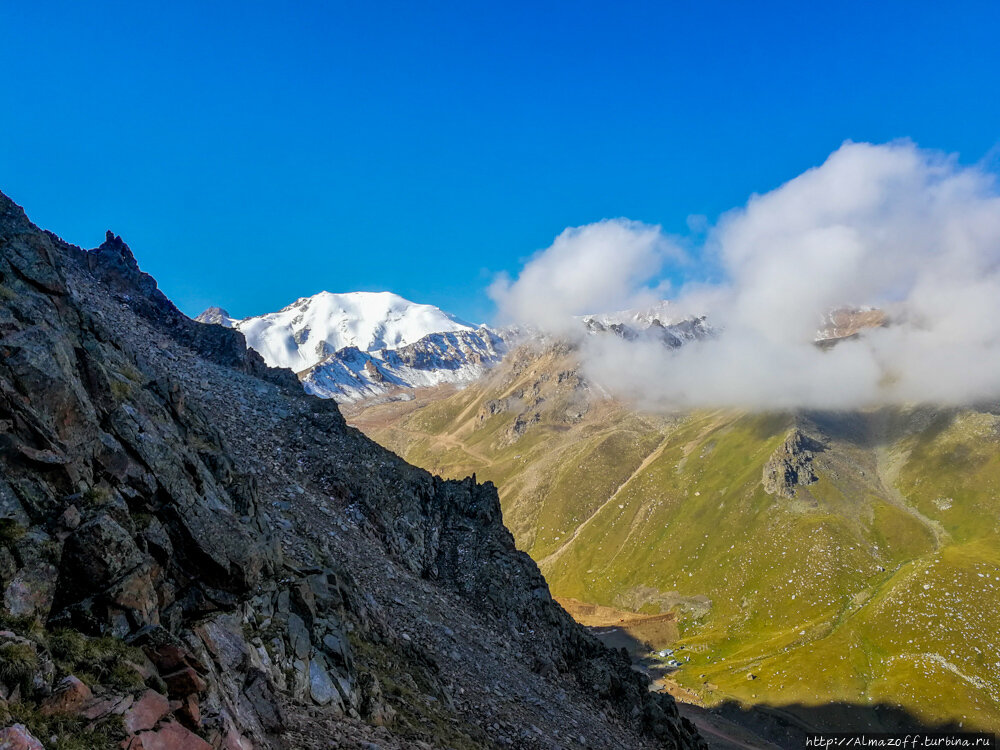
column 311, row 329
column 659, row 322
column 456, row 357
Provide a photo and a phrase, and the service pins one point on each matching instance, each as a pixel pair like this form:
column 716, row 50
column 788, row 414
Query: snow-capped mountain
column 312, row 328
column 448, row 357
column 362, row 344
column 218, row 316
column 659, row 321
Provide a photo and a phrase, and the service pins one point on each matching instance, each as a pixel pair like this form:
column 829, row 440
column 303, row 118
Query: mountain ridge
column 184, row 528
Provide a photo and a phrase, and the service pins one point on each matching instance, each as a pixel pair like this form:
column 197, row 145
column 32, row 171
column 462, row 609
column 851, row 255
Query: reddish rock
column 101, row 707
column 17, row 737
column 146, row 711
column 169, row 657
column 184, row 682
column 190, row 713
column 69, row 697
column 170, row 736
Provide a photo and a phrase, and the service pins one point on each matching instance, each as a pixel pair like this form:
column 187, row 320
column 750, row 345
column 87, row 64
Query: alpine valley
column 778, row 572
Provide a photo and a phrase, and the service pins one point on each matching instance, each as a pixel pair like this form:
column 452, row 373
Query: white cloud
column 893, row 226
column 609, row 265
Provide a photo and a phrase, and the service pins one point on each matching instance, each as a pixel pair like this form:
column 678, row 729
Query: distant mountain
column 364, row 344
column 312, row 328
column 847, row 322
column 658, row 322
column 445, row 357
column 218, row 316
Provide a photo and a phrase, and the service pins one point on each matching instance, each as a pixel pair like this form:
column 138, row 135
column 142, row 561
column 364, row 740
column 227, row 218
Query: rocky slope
column 194, row 553
column 847, row 562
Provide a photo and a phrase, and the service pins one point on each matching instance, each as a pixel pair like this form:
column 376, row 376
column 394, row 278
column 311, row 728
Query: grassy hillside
column 876, row 584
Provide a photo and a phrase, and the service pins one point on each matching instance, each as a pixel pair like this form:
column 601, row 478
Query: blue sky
column 252, row 153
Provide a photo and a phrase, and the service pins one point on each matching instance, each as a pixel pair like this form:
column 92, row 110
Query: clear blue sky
column 253, row 153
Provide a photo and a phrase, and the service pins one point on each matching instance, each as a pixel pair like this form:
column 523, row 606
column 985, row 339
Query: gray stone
column 298, row 636
column 321, row 687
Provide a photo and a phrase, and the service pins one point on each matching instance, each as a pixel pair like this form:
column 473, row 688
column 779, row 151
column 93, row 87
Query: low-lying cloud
column 892, row 226
column 604, row 266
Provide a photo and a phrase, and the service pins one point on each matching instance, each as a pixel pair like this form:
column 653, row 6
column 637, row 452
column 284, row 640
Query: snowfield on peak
column 312, row 328
column 364, row 344
column 660, row 322
column 458, row 357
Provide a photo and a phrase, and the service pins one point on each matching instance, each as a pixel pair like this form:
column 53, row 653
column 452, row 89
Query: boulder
column 32, row 590
column 17, row 737
column 321, row 686
column 69, row 696
column 96, row 554
column 146, row 712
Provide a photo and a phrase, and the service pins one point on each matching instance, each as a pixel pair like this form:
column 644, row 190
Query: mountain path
column 888, row 469
column 646, row 462
column 446, row 441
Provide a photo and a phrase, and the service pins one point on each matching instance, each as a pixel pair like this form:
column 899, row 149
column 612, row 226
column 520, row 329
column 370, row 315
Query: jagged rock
column 298, row 636
column 70, row 518
column 101, row 707
column 32, row 590
column 97, row 553
column 189, row 713
column 790, row 466
column 321, row 687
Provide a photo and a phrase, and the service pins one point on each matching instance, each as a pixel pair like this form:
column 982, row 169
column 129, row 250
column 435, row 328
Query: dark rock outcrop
column 791, row 465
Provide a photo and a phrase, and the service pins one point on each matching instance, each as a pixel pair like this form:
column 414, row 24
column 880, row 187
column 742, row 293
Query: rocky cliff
column 196, row 554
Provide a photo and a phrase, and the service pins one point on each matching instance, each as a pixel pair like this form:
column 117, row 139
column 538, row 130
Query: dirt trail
column 446, row 441
column 888, row 468
column 646, row 462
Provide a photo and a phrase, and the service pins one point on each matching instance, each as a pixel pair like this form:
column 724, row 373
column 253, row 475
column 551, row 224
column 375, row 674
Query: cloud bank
column 604, row 266
column 892, row 226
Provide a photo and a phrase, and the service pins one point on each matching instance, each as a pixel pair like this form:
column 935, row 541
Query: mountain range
column 830, row 569
column 365, row 344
